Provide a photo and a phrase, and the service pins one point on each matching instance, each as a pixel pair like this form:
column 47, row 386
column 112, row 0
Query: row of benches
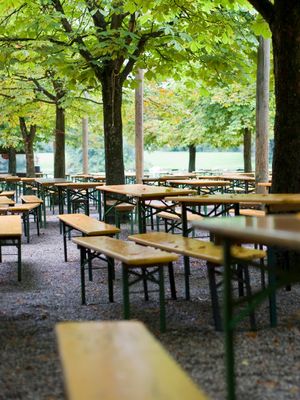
column 150, row 253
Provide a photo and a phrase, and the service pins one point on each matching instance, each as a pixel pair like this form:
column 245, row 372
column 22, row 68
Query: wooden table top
column 88, row 225
column 78, row 185
column 268, row 199
column 198, row 182
column 145, row 191
column 119, row 360
column 239, row 177
column 282, row 230
column 12, row 179
column 4, row 200
column 264, row 184
column 50, row 181
column 28, row 179
column 10, row 226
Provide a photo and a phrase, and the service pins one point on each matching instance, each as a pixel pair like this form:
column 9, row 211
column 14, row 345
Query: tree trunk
column 85, row 145
column 28, row 137
column 113, row 136
column 286, row 39
column 59, row 148
column 262, row 114
column 247, row 150
column 139, row 131
column 12, row 161
column 192, row 157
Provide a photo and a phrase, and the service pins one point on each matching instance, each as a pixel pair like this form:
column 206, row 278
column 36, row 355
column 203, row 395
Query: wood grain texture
column 193, row 247
column 88, row 225
column 119, row 361
column 128, row 252
column 10, row 226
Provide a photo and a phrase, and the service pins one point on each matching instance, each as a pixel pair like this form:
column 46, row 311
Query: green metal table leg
column 19, row 260
column 272, row 284
column 228, row 328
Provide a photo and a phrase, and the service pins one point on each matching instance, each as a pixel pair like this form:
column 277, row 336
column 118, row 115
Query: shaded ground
column 267, row 365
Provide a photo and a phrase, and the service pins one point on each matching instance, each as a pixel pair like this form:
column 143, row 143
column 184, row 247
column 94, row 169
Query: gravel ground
column 267, row 361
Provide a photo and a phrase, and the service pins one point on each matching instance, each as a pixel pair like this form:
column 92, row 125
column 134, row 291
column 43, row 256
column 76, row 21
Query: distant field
column 159, row 160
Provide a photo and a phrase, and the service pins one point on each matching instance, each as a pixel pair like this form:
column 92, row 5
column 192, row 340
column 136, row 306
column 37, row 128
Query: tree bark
column 28, row 137
column 59, row 147
column 85, row 145
column 113, row 135
column 139, row 129
column 285, row 28
column 262, row 114
column 192, row 157
column 247, row 150
column 12, row 161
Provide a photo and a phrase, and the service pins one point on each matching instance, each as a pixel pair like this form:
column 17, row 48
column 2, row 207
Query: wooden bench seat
column 132, row 256
column 26, row 210
column 27, row 199
column 208, row 251
column 119, row 360
column 10, row 235
column 86, row 225
column 177, row 217
column 8, row 193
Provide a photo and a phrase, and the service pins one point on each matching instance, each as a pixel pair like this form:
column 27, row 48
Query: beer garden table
column 138, row 194
column 282, row 231
column 201, row 184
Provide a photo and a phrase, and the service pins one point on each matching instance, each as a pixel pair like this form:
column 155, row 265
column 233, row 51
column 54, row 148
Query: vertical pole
column 262, row 114
column 85, row 145
column 139, row 131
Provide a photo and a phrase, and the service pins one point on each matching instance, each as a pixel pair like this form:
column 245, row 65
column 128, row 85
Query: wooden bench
column 26, row 210
column 119, row 360
column 30, row 198
column 8, row 193
column 173, row 220
column 208, row 251
column 133, row 257
column 86, row 225
column 10, row 235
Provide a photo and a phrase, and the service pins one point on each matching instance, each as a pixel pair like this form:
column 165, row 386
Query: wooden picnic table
column 10, row 235
column 138, row 194
column 273, row 230
column 76, row 191
column 200, row 184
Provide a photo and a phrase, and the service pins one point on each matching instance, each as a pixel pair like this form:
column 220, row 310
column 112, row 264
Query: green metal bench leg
column 110, row 267
column 186, row 277
column 162, row 300
column 126, row 306
column 82, row 274
column 19, row 260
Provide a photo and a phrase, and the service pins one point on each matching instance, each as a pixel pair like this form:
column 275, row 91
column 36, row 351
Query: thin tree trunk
column 113, row 139
column 139, row 131
column 85, row 145
column 286, row 38
column 59, row 148
column 192, row 158
column 28, row 137
column 247, row 150
column 262, row 114
column 12, row 161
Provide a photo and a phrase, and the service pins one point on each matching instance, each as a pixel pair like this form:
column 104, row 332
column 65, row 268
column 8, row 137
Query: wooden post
column 85, row 145
column 262, row 114
column 139, row 131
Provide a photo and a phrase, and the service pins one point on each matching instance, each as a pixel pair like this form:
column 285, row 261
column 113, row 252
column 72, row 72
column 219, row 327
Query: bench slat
column 193, row 247
column 120, row 361
column 128, row 252
column 31, row 198
column 88, row 225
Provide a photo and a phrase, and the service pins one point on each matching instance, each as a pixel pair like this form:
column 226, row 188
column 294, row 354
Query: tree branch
column 138, row 51
column 265, row 8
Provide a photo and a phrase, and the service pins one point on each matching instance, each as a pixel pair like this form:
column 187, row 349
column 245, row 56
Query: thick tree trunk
column 113, row 136
column 85, row 145
column 59, row 148
column 192, row 157
column 286, row 47
column 139, row 129
column 28, row 137
column 247, row 150
column 12, row 161
column 262, row 114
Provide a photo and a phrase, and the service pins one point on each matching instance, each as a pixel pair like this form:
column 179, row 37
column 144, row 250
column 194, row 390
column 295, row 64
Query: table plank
column 10, row 226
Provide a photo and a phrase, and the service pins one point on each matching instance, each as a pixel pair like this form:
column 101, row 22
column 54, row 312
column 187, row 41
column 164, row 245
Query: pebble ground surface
column 267, row 361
